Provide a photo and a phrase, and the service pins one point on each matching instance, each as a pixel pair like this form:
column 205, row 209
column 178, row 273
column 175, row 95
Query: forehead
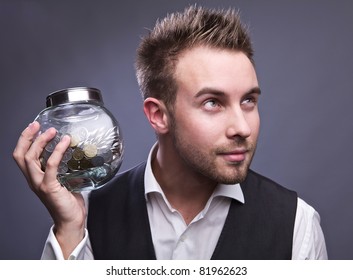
column 226, row 70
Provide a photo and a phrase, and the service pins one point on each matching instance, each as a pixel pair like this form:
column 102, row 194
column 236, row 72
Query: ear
column 157, row 114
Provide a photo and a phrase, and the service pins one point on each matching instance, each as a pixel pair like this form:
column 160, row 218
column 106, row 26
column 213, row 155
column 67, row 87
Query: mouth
column 235, row 156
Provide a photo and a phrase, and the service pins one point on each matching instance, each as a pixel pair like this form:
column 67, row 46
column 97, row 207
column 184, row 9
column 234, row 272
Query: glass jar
column 96, row 148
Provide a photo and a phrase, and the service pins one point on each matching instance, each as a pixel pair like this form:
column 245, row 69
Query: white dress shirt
column 174, row 239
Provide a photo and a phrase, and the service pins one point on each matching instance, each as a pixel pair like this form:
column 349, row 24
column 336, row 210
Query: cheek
column 198, row 131
column 254, row 123
column 191, row 127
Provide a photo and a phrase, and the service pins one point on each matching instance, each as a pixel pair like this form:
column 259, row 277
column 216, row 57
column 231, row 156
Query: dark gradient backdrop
column 304, row 62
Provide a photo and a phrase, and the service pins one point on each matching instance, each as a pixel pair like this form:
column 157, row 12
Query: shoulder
column 261, row 193
column 308, row 239
column 264, row 184
column 305, row 208
column 307, row 216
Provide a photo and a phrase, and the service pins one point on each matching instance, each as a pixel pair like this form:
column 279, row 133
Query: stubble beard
column 207, row 163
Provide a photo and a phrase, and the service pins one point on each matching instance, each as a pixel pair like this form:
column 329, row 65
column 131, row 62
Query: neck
column 186, row 190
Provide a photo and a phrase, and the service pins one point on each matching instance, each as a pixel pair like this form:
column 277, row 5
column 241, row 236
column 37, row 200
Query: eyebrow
column 209, row 90
column 256, row 90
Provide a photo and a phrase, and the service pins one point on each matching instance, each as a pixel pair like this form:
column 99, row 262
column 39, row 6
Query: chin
column 232, row 181
column 234, row 177
column 229, row 179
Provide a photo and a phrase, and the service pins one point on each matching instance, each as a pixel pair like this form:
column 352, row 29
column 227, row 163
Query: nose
column 238, row 125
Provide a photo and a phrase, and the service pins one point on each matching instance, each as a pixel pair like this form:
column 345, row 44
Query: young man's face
column 215, row 123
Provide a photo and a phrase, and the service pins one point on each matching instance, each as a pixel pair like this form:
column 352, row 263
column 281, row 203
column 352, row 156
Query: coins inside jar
column 85, row 151
column 95, row 152
column 90, row 150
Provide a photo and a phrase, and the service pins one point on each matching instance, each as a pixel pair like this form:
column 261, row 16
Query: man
column 195, row 197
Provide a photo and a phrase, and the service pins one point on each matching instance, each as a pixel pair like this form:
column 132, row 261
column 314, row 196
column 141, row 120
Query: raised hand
column 66, row 208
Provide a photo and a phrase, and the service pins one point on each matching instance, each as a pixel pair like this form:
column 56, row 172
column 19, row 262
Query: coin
column 52, row 144
column 97, row 161
column 67, row 155
column 85, row 164
column 43, row 163
column 90, row 150
column 62, row 168
column 45, row 154
column 78, row 154
column 81, row 132
column 64, row 129
column 75, row 140
column 73, row 164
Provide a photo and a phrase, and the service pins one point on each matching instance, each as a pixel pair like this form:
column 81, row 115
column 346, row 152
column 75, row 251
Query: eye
column 211, row 104
column 249, row 101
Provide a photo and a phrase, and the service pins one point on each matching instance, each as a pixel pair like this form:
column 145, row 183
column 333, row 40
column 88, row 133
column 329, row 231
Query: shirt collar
column 151, row 184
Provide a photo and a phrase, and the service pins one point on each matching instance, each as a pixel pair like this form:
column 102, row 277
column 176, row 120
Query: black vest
column 261, row 228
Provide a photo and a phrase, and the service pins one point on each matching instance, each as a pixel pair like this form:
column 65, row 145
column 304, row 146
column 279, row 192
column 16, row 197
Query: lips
column 234, row 156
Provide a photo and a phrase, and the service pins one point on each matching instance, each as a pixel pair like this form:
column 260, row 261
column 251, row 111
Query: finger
column 38, row 145
column 54, row 160
column 34, row 173
column 24, row 142
column 32, row 157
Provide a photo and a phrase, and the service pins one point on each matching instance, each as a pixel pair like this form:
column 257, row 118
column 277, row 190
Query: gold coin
column 85, row 164
column 75, row 140
column 73, row 164
column 43, row 163
column 77, row 154
column 90, row 150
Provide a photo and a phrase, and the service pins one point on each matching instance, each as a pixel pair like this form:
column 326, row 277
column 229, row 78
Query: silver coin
column 80, row 132
column 64, row 129
column 52, row 144
column 62, row 168
column 45, row 154
column 97, row 161
column 67, row 155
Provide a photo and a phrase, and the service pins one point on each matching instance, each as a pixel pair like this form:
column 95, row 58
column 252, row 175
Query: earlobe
column 156, row 113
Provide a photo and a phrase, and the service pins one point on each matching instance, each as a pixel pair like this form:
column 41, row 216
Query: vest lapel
column 262, row 227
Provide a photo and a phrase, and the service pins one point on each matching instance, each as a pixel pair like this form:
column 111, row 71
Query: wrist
column 68, row 237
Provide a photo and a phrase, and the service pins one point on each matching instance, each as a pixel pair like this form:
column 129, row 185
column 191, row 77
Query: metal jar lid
column 72, row 95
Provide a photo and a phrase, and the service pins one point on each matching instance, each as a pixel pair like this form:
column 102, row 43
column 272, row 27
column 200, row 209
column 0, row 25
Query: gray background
column 304, row 62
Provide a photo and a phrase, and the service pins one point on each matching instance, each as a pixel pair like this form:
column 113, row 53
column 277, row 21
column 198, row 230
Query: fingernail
column 30, row 126
column 65, row 138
